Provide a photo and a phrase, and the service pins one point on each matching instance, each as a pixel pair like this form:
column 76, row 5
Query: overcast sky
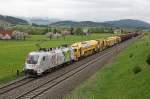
column 79, row 10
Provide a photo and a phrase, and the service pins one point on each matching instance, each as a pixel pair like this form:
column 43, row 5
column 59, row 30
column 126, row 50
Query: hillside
column 127, row 23
column 117, row 80
column 79, row 24
column 11, row 20
column 42, row 21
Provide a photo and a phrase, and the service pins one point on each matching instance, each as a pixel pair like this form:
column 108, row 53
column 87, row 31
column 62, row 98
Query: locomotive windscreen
column 32, row 59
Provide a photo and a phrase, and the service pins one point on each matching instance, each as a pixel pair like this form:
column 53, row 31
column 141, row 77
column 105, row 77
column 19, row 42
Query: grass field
column 117, row 80
column 13, row 53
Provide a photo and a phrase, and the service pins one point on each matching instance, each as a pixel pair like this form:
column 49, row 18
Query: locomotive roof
column 57, row 50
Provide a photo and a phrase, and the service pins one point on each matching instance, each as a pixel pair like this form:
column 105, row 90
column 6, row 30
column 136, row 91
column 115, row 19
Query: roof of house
column 5, row 32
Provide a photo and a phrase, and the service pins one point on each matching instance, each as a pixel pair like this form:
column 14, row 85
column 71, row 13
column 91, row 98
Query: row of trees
column 33, row 30
column 72, row 31
column 101, row 30
column 38, row 30
column 18, row 35
column 83, row 31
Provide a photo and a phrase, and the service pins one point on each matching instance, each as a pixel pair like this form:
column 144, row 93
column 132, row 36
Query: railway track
column 24, row 81
column 48, row 82
column 15, row 84
column 51, row 83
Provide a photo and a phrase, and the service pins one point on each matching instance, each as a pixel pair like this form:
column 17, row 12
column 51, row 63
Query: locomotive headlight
column 39, row 71
column 36, row 66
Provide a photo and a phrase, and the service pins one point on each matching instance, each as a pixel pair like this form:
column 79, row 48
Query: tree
column 19, row 35
column 71, row 31
column 49, row 29
column 78, row 31
column 25, row 35
column 57, row 35
column 110, row 30
column 55, row 31
column 64, row 33
column 49, row 35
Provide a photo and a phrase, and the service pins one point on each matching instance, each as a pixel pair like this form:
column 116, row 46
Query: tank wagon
column 43, row 60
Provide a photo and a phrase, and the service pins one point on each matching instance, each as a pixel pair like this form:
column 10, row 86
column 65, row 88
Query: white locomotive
column 40, row 61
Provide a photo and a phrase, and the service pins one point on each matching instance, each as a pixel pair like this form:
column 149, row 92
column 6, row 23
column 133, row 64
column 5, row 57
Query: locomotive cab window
column 32, row 59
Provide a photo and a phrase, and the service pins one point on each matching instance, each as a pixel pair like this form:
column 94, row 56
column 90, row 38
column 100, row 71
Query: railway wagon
column 40, row 61
column 77, row 50
column 83, row 49
column 117, row 39
column 86, row 49
column 94, row 45
column 135, row 34
column 126, row 36
column 102, row 44
column 110, row 41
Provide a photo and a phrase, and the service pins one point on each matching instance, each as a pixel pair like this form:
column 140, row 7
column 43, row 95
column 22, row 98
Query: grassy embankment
column 117, row 80
column 13, row 53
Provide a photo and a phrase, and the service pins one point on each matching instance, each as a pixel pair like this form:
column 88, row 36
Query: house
column 65, row 32
column 117, row 31
column 86, row 32
column 5, row 34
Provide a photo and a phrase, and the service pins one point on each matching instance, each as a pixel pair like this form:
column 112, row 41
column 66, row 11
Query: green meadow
column 117, row 80
column 14, row 52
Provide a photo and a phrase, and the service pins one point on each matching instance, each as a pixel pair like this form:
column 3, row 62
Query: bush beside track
column 118, row 80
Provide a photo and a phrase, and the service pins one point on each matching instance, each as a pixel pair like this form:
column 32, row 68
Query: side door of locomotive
column 54, row 60
column 44, row 63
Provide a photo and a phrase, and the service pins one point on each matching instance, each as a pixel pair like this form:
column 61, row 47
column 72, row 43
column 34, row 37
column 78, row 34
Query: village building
column 5, row 34
column 86, row 32
column 117, row 31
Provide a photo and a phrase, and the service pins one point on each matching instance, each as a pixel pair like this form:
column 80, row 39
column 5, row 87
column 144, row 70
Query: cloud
column 94, row 10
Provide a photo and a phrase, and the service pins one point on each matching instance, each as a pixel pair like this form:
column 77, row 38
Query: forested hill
column 129, row 23
column 11, row 20
column 126, row 23
column 79, row 24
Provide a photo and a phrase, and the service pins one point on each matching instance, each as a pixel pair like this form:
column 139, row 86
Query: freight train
column 43, row 60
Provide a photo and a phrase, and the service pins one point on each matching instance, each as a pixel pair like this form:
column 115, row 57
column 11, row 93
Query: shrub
column 147, row 43
column 148, row 59
column 137, row 69
column 136, row 46
column 78, row 31
column 131, row 55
